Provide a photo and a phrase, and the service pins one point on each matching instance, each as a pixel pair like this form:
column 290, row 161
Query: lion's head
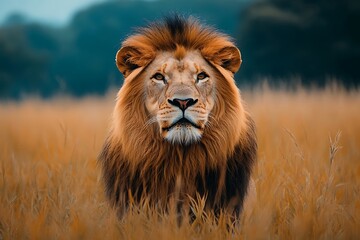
column 179, row 117
column 179, row 64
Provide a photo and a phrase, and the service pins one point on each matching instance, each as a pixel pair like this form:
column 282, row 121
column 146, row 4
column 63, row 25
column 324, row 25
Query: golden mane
column 137, row 163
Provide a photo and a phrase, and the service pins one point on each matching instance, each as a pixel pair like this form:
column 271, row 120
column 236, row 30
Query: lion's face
column 179, row 95
column 180, row 70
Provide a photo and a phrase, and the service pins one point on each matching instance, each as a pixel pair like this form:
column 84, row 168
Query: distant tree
column 310, row 39
column 15, row 19
column 25, row 59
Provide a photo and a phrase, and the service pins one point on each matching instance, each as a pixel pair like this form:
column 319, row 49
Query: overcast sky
column 56, row 12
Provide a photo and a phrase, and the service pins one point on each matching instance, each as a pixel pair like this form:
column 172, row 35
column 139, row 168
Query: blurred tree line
column 279, row 39
column 314, row 40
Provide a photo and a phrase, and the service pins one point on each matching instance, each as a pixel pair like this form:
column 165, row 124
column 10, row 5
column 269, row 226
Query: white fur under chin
column 183, row 135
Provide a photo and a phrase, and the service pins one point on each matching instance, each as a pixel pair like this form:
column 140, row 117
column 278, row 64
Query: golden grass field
column 307, row 175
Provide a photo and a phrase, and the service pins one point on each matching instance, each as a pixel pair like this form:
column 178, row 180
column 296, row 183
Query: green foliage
column 312, row 39
column 25, row 52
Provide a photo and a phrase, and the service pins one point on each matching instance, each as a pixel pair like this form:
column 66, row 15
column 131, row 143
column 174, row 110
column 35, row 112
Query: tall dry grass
column 307, row 175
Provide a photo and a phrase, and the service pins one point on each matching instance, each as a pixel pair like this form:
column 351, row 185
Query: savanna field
column 307, row 175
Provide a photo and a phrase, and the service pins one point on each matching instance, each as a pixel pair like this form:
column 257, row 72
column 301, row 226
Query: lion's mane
column 137, row 163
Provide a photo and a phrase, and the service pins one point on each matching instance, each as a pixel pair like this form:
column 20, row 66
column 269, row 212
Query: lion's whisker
column 149, row 122
column 213, row 121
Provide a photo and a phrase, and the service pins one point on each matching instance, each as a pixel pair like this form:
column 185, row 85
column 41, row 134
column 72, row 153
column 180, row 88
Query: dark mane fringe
column 175, row 30
column 176, row 24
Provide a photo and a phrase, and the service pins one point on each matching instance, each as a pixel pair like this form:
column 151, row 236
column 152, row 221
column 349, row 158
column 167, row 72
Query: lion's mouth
column 183, row 121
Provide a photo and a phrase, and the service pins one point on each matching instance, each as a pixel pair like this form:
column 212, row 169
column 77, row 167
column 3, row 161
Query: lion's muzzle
column 182, row 124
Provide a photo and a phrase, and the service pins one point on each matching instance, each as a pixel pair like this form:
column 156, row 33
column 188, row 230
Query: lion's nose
column 183, row 104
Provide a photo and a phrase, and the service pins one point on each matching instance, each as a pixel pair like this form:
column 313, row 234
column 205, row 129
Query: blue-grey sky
column 56, row 12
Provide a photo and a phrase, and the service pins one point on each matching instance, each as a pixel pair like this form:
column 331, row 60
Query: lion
column 179, row 126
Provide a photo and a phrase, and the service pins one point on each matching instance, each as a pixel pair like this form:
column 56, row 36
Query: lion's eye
column 159, row 77
column 202, row 76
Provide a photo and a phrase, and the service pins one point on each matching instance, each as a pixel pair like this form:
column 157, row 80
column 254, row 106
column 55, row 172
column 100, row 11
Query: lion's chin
column 184, row 135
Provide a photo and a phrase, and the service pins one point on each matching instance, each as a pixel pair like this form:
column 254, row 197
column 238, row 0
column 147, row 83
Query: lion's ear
column 228, row 58
column 129, row 58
